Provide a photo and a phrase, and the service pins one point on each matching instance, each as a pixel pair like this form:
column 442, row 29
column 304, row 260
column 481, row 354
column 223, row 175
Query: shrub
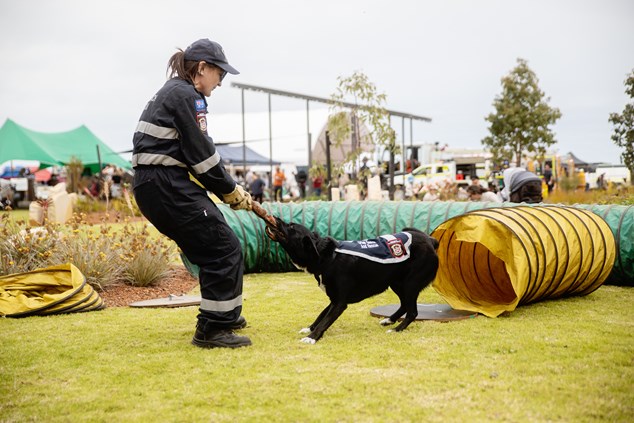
column 74, row 170
column 620, row 195
column 89, row 205
column 568, row 183
column 94, row 254
column 23, row 249
column 146, row 259
column 104, row 256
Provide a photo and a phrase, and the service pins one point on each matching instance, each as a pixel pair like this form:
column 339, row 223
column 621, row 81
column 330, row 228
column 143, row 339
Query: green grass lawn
column 566, row 360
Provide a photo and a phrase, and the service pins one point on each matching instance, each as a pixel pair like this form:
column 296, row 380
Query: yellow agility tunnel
column 493, row 260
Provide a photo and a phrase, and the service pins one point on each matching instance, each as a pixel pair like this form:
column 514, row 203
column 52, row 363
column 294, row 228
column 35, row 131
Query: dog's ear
column 309, row 245
column 328, row 245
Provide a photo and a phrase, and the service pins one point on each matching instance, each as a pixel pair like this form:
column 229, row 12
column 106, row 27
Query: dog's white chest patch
column 299, row 267
column 384, row 249
column 319, row 282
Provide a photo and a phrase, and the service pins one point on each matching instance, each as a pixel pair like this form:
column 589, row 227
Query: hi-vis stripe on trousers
column 214, row 306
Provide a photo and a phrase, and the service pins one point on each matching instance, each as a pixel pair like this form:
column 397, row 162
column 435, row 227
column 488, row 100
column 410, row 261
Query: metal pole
column 321, row 100
column 390, row 166
column 403, row 161
column 391, row 171
column 310, row 147
column 270, row 149
column 244, row 141
column 328, row 167
column 354, row 137
column 99, row 160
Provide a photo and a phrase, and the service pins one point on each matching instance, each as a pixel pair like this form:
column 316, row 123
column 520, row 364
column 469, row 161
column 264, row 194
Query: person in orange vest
column 278, row 183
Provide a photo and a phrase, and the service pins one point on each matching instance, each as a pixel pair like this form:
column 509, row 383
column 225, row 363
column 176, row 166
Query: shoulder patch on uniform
column 384, row 249
column 202, row 122
column 200, row 105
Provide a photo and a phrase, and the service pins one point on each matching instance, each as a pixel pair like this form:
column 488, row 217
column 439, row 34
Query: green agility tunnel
column 493, row 260
column 51, row 290
column 368, row 219
column 621, row 222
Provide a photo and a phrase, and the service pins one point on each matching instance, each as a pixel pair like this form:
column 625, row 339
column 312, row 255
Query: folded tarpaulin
column 51, row 290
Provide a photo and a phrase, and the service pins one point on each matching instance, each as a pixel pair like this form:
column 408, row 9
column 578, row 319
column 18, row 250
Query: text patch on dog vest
column 384, row 249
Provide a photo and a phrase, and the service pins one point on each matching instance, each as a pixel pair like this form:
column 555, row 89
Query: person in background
column 478, row 193
column 107, row 172
column 301, row 179
column 6, row 195
column 257, row 187
column 317, row 183
column 278, row 184
column 53, row 181
column 95, row 187
column 548, row 178
column 521, row 186
column 170, row 142
column 432, row 193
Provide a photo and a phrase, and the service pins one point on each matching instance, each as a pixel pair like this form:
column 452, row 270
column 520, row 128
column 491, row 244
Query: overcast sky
column 72, row 63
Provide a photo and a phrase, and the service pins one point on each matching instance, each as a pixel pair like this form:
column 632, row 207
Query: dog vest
column 384, row 249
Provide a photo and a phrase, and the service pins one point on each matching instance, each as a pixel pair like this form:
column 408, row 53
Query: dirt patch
column 178, row 282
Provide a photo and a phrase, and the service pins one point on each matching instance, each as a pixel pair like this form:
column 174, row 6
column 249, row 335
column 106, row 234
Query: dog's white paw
column 304, row 331
column 390, row 331
column 307, row 340
column 386, row 322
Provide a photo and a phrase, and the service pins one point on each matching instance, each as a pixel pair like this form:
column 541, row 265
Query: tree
column 522, row 117
column 623, row 134
column 356, row 102
column 74, row 169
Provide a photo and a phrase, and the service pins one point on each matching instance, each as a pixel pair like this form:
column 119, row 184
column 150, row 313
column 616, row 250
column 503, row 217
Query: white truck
column 616, row 175
column 427, row 174
column 438, row 173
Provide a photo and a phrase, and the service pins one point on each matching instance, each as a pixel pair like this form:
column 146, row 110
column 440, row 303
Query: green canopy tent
column 56, row 149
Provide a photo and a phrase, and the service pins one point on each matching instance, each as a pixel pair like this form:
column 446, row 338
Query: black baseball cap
column 210, row 52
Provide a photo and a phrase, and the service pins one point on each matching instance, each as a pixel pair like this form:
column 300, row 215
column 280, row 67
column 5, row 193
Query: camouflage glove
column 238, row 199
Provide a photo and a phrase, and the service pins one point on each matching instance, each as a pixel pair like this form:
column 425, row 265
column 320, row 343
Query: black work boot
column 241, row 323
column 218, row 338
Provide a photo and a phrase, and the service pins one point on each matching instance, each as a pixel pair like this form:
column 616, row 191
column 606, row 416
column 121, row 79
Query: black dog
column 348, row 276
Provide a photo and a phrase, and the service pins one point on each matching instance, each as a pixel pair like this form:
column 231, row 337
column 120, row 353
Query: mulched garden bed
column 179, row 282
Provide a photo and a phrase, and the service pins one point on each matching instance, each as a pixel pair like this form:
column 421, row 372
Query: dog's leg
column 394, row 317
column 411, row 312
column 310, row 328
column 333, row 313
column 398, row 290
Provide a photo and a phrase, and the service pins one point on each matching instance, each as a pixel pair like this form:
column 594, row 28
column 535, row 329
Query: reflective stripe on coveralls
column 210, row 305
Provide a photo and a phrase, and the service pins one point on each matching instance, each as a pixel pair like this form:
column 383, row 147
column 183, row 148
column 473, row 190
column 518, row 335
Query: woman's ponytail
column 178, row 66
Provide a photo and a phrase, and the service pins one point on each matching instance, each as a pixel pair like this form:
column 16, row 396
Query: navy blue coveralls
column 170, row 142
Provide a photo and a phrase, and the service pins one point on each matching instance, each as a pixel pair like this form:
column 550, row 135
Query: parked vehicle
column 615, row 175
column 427, row 174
